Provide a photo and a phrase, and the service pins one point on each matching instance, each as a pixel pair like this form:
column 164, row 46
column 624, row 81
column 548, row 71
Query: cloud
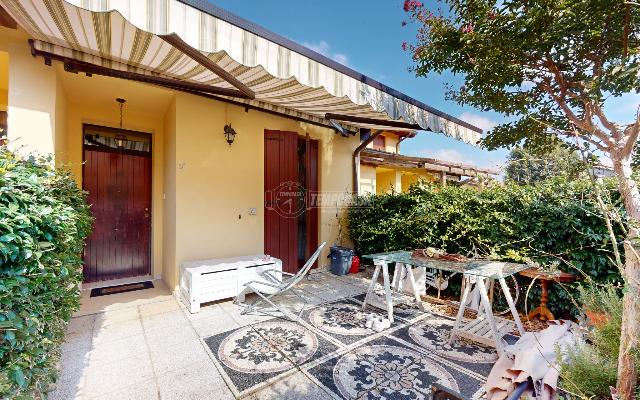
column 321, row 47
column 341, row 58
column 450, row 155
column 482, row 122
column 324, row 48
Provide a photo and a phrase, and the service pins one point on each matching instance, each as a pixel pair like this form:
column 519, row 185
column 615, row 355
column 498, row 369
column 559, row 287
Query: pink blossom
column 468, row 28
column 410, row 5
column 404, row 46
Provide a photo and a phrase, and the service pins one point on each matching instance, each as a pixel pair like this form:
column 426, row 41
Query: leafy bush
column 44, row 220
column 588, row 373
column 553, row 222
column 602, row 299
column 589, row 369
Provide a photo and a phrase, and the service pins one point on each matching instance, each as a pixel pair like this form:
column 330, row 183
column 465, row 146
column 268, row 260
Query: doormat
column 129, row 287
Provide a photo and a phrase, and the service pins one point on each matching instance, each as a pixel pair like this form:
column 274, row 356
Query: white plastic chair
column 271, row 286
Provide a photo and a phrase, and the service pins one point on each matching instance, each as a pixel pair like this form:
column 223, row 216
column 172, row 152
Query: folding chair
column 271, row 286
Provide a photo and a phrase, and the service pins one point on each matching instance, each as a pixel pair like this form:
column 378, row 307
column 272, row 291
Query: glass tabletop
column 484, row 268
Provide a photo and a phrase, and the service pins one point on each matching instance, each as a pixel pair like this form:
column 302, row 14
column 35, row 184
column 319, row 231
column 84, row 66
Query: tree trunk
column 630, row 332
column 627, row 372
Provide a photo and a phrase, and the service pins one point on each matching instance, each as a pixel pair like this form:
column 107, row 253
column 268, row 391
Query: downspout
column 356, row 160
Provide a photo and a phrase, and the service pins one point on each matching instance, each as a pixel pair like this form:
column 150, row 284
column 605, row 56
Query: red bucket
column 355, row 265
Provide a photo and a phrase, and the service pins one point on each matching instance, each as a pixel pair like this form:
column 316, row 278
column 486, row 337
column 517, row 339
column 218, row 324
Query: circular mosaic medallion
column 388, row 372
column 267, row 347
column 433, row 334
column 341, row 319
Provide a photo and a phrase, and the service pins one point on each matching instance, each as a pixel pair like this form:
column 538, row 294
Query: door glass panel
column 113, row 138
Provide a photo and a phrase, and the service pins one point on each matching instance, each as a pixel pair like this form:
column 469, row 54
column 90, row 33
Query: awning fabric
column 122, row 34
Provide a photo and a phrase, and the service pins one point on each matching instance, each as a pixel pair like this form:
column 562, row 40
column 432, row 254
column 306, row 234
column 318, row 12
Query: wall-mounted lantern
column 229, row 133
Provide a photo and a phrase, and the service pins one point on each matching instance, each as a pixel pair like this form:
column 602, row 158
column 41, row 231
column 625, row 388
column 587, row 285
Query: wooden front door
column 290, row 226
column 117, row 176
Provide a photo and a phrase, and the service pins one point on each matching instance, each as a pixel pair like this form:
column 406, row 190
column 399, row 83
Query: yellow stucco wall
column 380, row 180
column 367, row 179
column 4, row 80
column 169, row 196
column 60, row 138
column 411, row 177
column 202, row 189
column 408, row 180
column 388, row 181
column 390, row 142
column 217, row 184
column 33, row 97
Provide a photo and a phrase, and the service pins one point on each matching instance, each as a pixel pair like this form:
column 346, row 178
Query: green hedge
column 551, row 221
column 44, row 219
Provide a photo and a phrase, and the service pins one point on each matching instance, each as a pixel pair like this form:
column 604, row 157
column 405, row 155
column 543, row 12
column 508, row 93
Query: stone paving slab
column 147, row 345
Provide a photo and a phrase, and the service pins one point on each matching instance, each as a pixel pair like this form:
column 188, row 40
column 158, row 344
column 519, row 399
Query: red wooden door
column 119, row 187
column 280, row 180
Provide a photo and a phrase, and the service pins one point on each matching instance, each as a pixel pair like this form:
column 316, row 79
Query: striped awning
column 124, row 35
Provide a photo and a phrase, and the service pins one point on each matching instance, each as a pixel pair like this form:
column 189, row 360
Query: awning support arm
column 177, row 42
column 72, row 65
column 356, row 160
column 373, row 121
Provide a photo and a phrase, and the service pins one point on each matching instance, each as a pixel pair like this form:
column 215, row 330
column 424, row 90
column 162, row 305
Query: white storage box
column 216, row 279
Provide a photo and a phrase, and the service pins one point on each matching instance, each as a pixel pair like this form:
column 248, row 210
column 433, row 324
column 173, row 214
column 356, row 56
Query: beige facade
column 173, row 185
column 390, row 179
column 395, row 180
column 202, row 188
column 4, row 80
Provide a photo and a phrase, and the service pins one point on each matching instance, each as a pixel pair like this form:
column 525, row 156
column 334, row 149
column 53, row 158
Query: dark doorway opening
column 117, row 175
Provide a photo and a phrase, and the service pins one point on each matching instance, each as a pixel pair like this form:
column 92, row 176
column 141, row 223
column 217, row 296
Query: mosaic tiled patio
column 147, row 345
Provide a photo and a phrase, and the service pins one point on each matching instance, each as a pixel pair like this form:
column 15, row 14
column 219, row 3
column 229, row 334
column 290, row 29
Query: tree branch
column 632, row 136
column 613, row 128
column 572, row 134
column 585, row 124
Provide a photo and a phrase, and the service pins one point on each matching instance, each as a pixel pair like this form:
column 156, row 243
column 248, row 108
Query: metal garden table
column 486, row 328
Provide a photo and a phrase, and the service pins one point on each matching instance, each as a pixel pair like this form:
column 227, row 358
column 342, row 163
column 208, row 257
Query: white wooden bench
column 216, row 279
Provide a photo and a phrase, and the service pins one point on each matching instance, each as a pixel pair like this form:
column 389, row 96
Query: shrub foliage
column 589, row 369
column 552, row 222
column 44, row 219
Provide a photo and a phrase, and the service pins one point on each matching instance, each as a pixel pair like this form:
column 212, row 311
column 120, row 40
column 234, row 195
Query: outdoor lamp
column 121, row 138
column 229, row 133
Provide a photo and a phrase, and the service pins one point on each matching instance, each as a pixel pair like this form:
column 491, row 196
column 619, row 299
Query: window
column 379, row 143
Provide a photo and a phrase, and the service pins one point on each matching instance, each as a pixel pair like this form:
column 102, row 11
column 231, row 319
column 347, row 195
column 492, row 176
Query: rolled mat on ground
column 533, row 356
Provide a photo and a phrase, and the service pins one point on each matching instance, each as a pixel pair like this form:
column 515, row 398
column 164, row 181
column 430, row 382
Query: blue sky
column 367, row 36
